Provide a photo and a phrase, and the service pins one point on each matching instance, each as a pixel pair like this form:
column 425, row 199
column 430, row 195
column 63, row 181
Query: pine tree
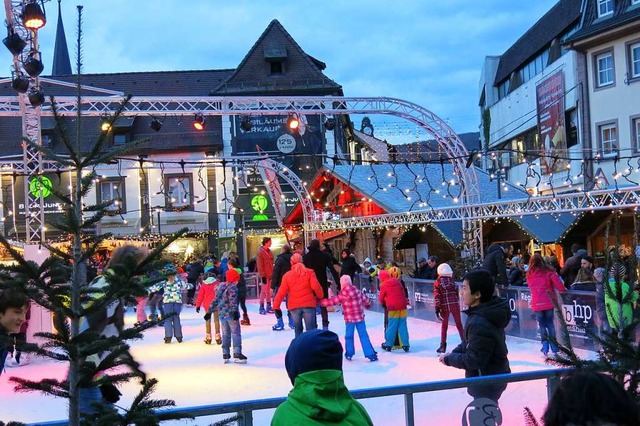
column 59, row 284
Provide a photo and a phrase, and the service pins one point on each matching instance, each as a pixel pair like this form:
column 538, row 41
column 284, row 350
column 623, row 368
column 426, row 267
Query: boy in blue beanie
column 319, row 395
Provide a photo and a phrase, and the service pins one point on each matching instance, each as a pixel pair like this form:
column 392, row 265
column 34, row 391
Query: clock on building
column 366, row 127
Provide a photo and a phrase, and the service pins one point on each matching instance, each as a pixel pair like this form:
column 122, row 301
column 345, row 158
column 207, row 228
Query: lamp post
column 158, row 211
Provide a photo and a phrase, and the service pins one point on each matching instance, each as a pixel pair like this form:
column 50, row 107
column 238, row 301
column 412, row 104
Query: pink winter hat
column 345, row 280
column 383, row 275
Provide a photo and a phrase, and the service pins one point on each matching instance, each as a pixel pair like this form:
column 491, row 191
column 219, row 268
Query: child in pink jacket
column 352, row 301
column 206, row 293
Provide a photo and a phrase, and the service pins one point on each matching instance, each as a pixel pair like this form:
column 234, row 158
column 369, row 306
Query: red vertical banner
column 551, row 126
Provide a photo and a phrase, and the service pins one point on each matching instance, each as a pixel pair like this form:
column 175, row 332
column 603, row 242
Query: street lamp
column 33, row 16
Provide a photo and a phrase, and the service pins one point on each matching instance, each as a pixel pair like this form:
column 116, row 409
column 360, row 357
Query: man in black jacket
column 494, row 262
column 281, row 266
column 320, row 261
column 195, row 269
column 484, row 350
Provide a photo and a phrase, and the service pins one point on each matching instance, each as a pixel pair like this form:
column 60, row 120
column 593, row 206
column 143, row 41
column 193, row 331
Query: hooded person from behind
column 319, row 395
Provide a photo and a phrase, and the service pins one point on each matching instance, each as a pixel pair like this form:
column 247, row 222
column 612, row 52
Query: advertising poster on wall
column 552, row 138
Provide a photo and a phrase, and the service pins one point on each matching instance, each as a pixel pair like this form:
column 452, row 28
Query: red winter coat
column 540, row 281
column 302, row 286
column 392, row 295
column 265, row 263
column 445, row 293
column 206, row 293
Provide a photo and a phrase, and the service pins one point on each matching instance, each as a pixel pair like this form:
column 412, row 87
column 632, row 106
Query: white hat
column 445, row 270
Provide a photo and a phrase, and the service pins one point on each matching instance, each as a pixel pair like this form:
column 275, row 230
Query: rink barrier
column 244, row 410
column 578, row 309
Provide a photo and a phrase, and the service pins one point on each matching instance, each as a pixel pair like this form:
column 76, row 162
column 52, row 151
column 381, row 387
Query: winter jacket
column 540, row 282
column 613, row 306
column 206, row 294
column 571, row 267
column 494, row 263
column 352, row 301
column 265, row 263
column 320, row 261
column 484, row 351
column 241, row 284
column 320, row 398
column 223, row 268
column 301, row 285
column 517, row 276
column 282, row 266
column 350, row 267
column 392, row 295
column 194, row 271
column 4, row 347
column 427, row 272
column 225, row 301
column 445, row 293
column 172, row 291
column 108, row 321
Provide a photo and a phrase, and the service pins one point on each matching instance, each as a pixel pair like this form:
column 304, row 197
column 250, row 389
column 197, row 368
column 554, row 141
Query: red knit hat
column 233, row 276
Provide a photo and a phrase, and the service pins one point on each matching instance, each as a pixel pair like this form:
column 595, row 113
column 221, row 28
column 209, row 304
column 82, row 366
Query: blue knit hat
column 313, row 350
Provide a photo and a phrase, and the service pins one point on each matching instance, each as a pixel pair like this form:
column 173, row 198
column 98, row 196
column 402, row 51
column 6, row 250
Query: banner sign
column 272, row 185
column 551, row 124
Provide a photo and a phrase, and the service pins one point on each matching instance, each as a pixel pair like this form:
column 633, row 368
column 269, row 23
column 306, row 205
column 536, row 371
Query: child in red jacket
column 206, row 293
column 447, row 299
column 393, row 297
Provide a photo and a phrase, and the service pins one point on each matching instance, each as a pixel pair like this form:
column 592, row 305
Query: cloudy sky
column 425, row 51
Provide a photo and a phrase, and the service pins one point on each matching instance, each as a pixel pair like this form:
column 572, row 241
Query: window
column 276, row 68
column 179, row 191
column 605, row 7
column 112, row 189
column 634, row 60
column 604, row 69
column 608, row 138
column 635, row 133
column 120, row 138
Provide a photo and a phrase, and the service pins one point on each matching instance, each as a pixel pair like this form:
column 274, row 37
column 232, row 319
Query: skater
column 13, row 312
column 484, row 350
column 172, row 302
column 225, row 302
column 303, row 291
column 194, row 270
column 352, row 301
column 206, row 293
column 542, row 280
column 348, row 264
column 620, row 317
column 242, row 291
column 281, row 267
column 16, row 357
column 319, row 395
column 320, row 261
column 265, row 270
column 445, row 293
column 393, row 297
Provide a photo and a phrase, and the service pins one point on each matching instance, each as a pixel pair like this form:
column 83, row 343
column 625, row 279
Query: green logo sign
column 259, row 203
column 40, row 186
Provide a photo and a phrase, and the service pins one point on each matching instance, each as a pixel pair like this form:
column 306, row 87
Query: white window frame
column 116, row 190
column 608, row 138
column 635, row 133
column 179, row 191
column 634, row 60
column 608, row 5
column 599, row 72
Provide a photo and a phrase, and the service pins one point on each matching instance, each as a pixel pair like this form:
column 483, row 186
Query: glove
column 198, row 310
column 278, row 313
column 110, row 393
column 235, row 315
column 207, row 316
column 438, row 314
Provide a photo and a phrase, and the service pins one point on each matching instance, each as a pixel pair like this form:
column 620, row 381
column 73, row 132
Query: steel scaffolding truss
column 624, row 198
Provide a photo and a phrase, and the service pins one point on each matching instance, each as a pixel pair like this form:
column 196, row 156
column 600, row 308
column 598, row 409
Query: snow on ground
column 192, row 373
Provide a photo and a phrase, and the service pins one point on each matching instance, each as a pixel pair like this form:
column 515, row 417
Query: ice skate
column 262, row 311
column 226, row 358
column 167, row 339
column 207, row 339
column 405, row 348
column 179, row 339
column 239, row 358
column 385, row 347
column 373, row 357
column 279, row 326
column 245, row 320
column 291, row 324
column 218, row 339
column 442, row 349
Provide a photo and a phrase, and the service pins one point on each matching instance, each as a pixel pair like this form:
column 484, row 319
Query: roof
column 253, row 75
column 555, row 22
column 547, row 227
column 624, row 13
column 430, row 150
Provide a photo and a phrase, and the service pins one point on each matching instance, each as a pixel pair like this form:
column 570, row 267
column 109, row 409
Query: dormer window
column 605, row 8
column 275, row 57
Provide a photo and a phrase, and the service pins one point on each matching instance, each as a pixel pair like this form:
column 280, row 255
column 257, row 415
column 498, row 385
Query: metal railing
column 245, row 409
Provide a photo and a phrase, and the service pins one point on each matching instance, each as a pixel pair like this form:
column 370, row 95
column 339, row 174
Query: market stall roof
column 546, row 227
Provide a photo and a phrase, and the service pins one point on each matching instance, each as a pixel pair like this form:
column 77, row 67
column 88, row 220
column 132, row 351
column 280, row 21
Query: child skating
column 352, row 301
column 206, row 293
column 226, row 303
column 447, row 301
column 393, row 297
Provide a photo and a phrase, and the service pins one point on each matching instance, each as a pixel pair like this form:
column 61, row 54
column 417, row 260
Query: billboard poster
column 578, row 310
column 552, row 135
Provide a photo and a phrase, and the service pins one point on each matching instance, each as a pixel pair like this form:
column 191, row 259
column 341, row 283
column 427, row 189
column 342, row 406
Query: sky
column 424, row 51
column 192, row 373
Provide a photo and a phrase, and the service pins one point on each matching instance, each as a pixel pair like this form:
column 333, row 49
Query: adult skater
column 320, row 261
column 265, row 270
